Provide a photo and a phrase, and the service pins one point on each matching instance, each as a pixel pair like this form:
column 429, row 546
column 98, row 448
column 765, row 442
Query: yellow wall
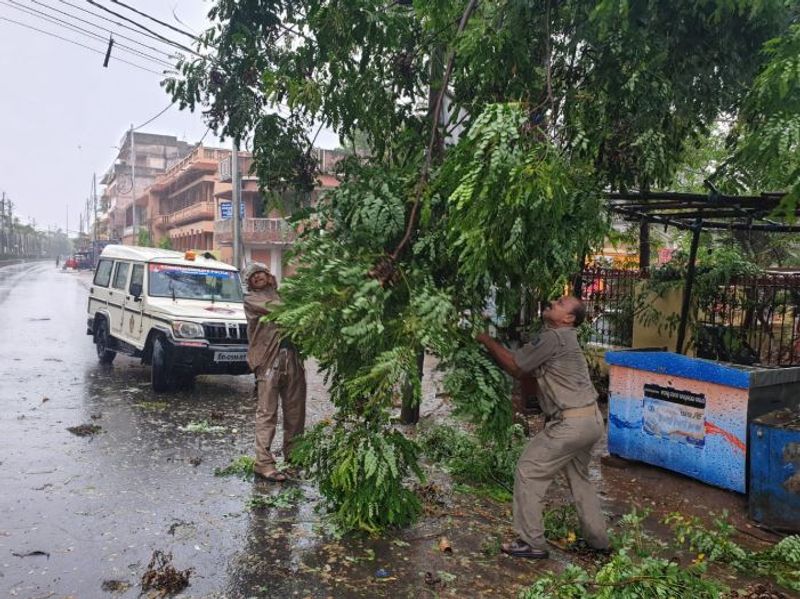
column 649, row 335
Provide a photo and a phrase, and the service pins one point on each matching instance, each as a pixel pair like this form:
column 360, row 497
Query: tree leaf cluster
column 546, row 104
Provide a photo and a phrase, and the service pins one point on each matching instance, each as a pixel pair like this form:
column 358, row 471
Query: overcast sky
column 61, row 112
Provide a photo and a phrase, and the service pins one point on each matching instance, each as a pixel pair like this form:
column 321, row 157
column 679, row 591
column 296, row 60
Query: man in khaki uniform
column 278, row 369
column 573, row 425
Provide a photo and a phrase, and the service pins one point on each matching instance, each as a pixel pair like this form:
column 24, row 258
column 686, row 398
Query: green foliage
column 767, row 135
column 561, row 523
column 282, row 500
column 479, row 390
column 547, row 105
column 715, row 544
column 241, row 466
column 165, row 243
column 633, row 537
column 487, row 464
column 781, row 561
column 361, row 474
column 516, row 202
column 627, row 577
column 636, row 569
column 143, row 238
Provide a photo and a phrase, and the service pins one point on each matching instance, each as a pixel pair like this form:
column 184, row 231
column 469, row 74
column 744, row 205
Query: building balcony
column 199, row 160
column 192, row 213
column 256, row 231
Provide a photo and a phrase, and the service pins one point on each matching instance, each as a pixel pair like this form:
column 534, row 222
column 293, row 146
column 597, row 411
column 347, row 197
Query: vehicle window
column 103, row 274
column 137, row 276
column 188, row 282
column 121, row 275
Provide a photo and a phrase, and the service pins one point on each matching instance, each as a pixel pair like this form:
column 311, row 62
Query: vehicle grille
column 225, row 333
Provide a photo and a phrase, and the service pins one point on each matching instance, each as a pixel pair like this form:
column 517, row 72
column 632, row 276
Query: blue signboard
column 226, row 213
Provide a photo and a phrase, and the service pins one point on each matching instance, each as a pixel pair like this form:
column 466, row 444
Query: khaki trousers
column 563, row 445
column 284, row 382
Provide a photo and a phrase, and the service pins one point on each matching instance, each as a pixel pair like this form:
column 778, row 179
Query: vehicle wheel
column 105, row 355
column 160, row 377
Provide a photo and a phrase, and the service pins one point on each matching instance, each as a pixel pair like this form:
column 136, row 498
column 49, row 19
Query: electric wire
column 104, row 28
column 146, row 16
column 85, row 32
column 147, row 122
column 140, row 26
column 159, row 39
column 95, row 50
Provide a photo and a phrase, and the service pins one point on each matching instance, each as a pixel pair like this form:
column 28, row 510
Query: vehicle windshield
column 189, row 282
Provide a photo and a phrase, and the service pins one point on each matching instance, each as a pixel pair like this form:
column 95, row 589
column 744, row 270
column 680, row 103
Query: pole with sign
column 236, row 200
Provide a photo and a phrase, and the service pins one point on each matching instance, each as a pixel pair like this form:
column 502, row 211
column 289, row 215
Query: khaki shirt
column 556, row 359
column 264, row 338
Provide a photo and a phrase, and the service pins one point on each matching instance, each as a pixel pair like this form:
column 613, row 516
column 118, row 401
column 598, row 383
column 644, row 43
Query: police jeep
column 181, row 313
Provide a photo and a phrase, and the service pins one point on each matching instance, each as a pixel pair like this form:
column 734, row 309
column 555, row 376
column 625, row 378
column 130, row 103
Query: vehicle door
column 98, row 292
column 134, row 306
column 116, row 297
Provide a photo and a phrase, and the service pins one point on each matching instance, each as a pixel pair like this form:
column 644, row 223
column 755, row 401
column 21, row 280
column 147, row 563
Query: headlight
column 187, row 330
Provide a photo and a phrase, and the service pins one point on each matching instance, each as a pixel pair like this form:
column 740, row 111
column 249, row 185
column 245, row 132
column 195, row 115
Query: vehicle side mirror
column 136, row 290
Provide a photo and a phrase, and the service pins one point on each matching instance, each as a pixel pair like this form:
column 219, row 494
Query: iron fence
column 609, row 297
column 751, row 320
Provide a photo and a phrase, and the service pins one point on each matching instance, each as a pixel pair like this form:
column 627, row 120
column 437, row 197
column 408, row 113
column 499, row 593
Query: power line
column 81, row 31
column 147, row 122
column 146, row 16
column 133, row 64
column 140, row 26
column 115, row 33
column 124, row 26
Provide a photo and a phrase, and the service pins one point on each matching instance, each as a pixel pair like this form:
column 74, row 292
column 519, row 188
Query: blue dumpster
column 774, row 497
column 691, row 415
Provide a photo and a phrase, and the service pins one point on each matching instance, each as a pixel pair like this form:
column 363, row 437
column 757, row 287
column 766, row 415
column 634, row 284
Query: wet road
column 76, row 512
column 98, row 506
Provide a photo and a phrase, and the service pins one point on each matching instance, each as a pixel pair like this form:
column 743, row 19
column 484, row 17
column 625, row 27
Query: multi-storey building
column 265, row 233
column 181, row 201
column 140, row 159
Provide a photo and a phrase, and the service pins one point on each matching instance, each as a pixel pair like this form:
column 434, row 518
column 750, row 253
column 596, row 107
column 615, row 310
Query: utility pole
column 133, row 187
column 3, row 238
column 94, row 208
column 236, row 198
column 11, row 232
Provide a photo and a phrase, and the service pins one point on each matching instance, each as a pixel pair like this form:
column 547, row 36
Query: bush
column 486, row 464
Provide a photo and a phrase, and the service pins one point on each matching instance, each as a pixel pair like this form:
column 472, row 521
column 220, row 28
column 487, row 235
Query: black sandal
column 276, row 476
column 520, row 548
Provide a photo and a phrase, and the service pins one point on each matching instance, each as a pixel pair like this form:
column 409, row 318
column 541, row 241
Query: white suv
column 183, row 314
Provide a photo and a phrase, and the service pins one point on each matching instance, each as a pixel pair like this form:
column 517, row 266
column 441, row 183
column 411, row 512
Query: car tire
column 105, row 355
column 161, row 379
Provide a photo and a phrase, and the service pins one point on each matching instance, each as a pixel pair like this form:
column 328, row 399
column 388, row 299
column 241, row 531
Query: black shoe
column 520, row 548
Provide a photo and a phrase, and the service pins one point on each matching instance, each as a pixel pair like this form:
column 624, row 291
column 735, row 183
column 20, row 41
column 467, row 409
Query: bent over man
column 573, row 425
column 279, row 373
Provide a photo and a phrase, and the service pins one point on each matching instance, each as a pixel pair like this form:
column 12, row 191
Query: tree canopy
column 491, row 128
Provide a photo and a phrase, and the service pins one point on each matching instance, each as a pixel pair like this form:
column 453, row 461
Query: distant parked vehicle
column 83, row 260
column 70, row 262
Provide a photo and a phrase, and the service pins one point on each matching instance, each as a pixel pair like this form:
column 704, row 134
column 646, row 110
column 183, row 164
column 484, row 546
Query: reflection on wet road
column 97, row 506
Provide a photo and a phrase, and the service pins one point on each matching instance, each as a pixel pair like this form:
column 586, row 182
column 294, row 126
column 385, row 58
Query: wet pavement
column 99, row 505
column 78, row 511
